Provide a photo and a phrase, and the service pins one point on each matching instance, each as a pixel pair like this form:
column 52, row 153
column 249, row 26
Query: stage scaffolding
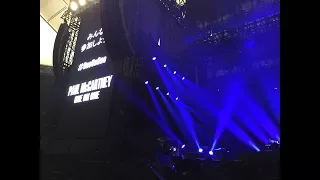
column 74, row 22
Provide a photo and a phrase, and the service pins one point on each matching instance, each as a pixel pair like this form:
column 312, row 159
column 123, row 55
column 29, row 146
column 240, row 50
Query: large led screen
column 91, row 73
column 90, row 84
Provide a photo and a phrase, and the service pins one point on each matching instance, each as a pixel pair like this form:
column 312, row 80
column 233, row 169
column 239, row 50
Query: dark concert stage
column 125, row 107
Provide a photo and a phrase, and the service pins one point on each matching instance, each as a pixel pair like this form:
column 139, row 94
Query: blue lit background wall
column 224, row 90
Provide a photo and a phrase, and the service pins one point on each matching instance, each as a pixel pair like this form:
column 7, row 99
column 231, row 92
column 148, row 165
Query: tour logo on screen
column 89, row 90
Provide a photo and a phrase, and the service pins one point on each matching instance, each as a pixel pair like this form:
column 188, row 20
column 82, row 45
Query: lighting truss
column 89, row 4
column 73, row 20
column 222, row 26
column 240, row 15
column 173, row 72
column 131, row 67
column 176, row 8
column 264, row 63
column 258, row 26
column 74, row 26
column 180, row 2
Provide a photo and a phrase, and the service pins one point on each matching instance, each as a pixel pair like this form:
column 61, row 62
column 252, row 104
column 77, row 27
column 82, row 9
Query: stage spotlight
column 146, row 82
column 211, row 153
column 200, row 150
column 73, row 6
column 183, row 146
column 177, row 98
column 275, row 88
column 157, row 88
column 165, row 65
column 167, row 93
column 82, row 2
column 174, row 72
column 154, row 58
column 182, row 78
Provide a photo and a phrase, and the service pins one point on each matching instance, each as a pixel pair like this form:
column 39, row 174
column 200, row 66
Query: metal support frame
column 208, row 27
column 177, row 10
column 59, row 85
column 257, row 26
column 73, row 20
column 180, row 2
column 127, row 66
column 132, row 66
column 74, row 26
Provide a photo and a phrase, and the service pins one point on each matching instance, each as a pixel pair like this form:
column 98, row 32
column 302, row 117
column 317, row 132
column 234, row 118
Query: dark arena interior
column 163, row 89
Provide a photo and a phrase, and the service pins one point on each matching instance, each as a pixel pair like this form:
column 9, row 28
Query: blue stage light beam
column 237, row 131
column 157, row 105
column 167, row 84
column 222, row 130
column 173, row 112
column 203, row 97
column 262, row 119
column 199, row 101
column 187, row 119
column 254, row 146
column 241, row 135
column 222, row 124
column 130, row 94
column 246, row 119
column 269, row 87
column 175, row 115
column 175, row 80
column 202, row 116
column 182, row 113
column 234, row 92
column 183, row 79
